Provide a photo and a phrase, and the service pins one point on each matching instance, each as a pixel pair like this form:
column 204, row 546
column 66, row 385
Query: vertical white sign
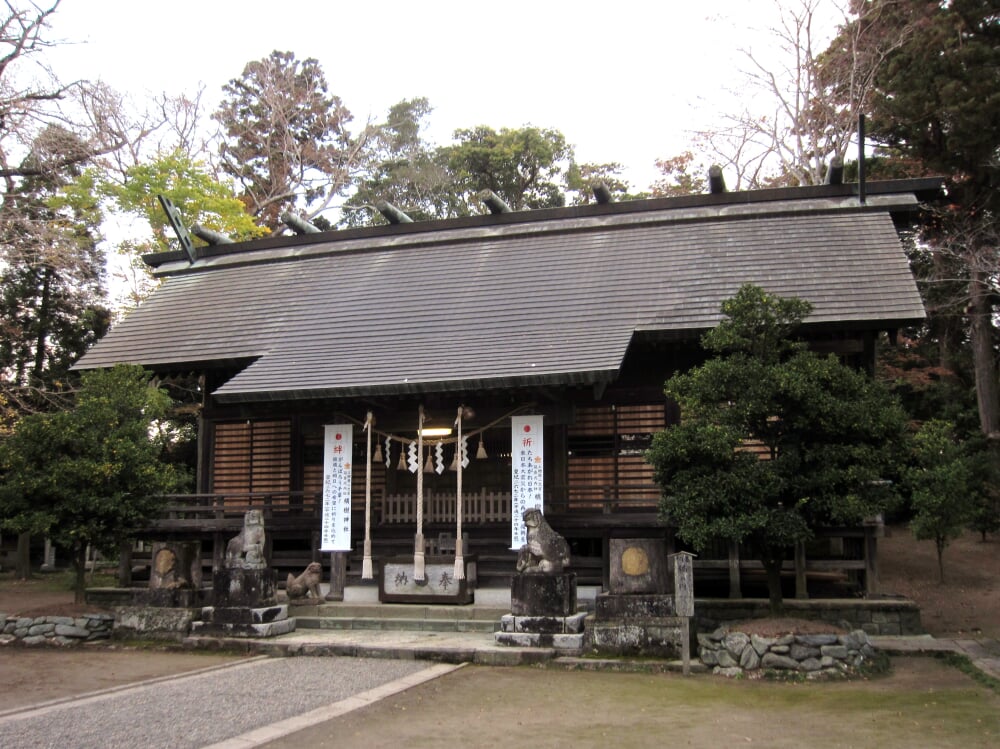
column 335, row 533
column 527, row 473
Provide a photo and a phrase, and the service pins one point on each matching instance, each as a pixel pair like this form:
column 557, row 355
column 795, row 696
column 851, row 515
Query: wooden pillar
column 125, row 564
column 801, row 590
column 872, row 585
column 218, row 552
column 734, row 570
column 315, row 553
column 606, row 561
column 338, row 575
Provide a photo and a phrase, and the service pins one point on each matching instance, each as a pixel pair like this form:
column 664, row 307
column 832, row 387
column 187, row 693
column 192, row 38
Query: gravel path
column 201, row 709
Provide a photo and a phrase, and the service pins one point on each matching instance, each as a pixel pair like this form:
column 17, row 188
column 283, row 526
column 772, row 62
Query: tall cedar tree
column 286, row 138
column 52, row 304
column 774, row 441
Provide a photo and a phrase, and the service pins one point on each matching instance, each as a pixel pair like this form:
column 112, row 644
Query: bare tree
column 810, row 95
column 32, row 99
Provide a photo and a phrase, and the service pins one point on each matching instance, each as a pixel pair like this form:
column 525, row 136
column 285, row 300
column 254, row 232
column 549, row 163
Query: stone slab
column 633, row 606
column 235, row 629
column 544, row 624
column 155, row 622
column 638, row 565
column 245, row 615
column 396, row 583
column 175, row 564
column 564, row 643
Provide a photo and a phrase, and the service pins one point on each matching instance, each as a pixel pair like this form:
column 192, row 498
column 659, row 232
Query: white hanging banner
column 335, row 533
column 526, row 473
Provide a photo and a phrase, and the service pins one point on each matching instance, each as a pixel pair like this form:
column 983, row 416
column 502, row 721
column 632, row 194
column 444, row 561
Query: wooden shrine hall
column 577, row 315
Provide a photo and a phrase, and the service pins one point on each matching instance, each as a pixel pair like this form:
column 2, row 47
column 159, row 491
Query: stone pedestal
column 543, row 614
column 638, row 624
column 243, row 587
column 543, row 595
column 235, row 621
column 564, row 633
column 245, row 605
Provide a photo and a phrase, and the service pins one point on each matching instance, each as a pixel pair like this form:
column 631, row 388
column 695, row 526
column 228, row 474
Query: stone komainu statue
column 545, row 552
column 247, row 549
column 306, row 584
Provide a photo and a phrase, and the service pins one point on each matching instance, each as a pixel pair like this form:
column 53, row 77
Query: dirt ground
column 922, row 703
column 967, row 605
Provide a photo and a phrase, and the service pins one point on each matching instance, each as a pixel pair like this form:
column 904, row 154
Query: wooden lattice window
column 606, row 460
column 252, row 456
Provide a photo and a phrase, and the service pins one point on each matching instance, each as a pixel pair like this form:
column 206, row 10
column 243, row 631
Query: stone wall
column 55, row 630
column 889, row 616
column 733, row 653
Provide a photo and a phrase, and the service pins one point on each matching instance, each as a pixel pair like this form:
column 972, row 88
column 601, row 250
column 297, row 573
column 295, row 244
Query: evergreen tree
column 774, row 440
column 942, row 485
column 52, row 297
column 89, row 475
column 936, row 101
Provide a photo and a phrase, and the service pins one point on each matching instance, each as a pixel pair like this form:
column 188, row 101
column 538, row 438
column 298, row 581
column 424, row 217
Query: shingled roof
column 543, row 297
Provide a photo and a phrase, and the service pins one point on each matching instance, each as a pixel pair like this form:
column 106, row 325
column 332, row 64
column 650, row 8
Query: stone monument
column 542, row 594
column 174, row 575
column 244, row 591
column 638, row 614
column 167, row 607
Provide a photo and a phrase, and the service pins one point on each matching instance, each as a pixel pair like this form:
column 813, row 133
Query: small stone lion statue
column 306, row 584
column 546, row 552
column 247, row 549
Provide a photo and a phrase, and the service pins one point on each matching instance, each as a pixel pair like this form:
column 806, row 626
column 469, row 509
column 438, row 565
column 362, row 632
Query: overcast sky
column 624, row 80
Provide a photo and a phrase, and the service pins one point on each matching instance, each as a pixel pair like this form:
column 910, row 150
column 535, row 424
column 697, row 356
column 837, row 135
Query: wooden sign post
column 684, row 602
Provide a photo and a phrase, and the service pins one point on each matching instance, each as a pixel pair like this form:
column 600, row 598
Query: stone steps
column 399, row 617
column 396, row 624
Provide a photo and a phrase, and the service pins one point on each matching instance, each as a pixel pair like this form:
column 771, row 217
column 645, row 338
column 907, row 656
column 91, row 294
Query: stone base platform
column 563, row 633
column 238, row 621
column 636, row 624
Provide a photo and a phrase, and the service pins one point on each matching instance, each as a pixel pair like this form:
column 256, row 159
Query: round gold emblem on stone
column 635, row 561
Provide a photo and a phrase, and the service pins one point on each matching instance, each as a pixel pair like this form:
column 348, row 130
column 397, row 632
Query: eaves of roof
column 543, row 302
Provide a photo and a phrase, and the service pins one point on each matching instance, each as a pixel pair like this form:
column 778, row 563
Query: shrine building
column 573, row 317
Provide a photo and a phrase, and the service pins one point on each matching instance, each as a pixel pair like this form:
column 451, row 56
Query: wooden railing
column 440, row 507
column 295, row 509
column 224, row 511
